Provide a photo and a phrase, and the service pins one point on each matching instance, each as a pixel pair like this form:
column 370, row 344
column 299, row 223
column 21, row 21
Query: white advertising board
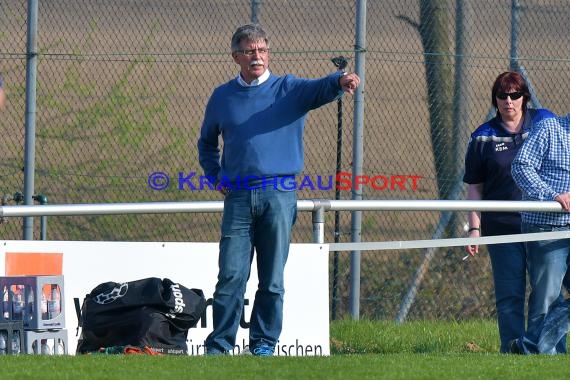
column 86, row 264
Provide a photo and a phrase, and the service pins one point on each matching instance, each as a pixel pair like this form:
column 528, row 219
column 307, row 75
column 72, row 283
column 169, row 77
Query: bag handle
column 78, row 312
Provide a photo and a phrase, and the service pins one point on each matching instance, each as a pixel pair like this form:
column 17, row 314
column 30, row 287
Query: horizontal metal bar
column 456, row 242
column 303, row 205
column 125, row 208
column 443, row 205
column 111, row 208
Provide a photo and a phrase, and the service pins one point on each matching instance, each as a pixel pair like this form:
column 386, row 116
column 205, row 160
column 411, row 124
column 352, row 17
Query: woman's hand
column 473, row 249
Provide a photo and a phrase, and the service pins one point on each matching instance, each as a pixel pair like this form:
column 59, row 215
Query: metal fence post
column 30, row 140
column 318, row 216
column 356, row 223
column 42, row 200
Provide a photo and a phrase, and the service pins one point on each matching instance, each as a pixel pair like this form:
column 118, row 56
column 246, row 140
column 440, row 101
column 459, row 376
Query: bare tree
column 436, row 41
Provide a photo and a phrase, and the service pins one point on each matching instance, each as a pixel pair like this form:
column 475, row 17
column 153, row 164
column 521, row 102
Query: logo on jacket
column 117, row 292
column 500, row 147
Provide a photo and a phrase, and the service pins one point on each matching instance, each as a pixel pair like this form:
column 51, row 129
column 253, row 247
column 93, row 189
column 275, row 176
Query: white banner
column 86, row 264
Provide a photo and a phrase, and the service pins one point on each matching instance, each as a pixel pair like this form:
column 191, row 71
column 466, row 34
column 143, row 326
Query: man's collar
column 255, row 82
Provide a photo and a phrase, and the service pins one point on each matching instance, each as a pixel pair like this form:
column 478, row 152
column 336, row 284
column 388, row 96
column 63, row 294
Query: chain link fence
column 121, row 86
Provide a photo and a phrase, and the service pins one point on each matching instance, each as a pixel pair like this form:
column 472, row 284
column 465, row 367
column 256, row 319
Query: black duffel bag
column 150, row 313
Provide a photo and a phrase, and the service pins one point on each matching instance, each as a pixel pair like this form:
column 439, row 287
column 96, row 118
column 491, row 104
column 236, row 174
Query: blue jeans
column 259, row 219
column 556, row 326
column 556, row 323
column 508, row 262
column 547, row 262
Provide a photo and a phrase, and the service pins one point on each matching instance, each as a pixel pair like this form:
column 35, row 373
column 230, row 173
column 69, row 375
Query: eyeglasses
column 512, row 95
column 251, row 52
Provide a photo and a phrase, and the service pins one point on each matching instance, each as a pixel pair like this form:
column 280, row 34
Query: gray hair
column 248, row 32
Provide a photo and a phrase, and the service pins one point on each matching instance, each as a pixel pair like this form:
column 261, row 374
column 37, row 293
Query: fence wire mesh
column 121, row 87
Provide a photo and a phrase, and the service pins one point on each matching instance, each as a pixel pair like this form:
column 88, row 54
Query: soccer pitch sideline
column 359, row 350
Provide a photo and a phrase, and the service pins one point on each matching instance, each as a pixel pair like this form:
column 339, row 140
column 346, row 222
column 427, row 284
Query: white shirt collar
column 255, row 82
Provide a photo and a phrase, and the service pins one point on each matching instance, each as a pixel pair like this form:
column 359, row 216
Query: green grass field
column 359, row 350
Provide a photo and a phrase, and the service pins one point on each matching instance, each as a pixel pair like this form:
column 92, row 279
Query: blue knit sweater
column 261, row 126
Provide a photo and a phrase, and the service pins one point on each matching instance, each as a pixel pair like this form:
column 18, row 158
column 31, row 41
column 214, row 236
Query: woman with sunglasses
column 492, row 147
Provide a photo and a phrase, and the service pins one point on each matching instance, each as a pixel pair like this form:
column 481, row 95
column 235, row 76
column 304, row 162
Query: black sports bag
column 149, row 312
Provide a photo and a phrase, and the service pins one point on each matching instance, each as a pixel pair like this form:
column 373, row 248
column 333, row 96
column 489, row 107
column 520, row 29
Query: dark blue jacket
column 488, row 160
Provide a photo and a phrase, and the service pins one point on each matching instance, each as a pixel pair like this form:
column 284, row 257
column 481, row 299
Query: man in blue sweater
column 260, row 117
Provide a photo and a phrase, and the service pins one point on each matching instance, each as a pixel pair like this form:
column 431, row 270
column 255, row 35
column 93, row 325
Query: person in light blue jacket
column 542, row 170
column 260, row 117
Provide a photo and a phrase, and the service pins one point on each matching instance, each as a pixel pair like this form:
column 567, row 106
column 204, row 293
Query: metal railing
column 318, row 208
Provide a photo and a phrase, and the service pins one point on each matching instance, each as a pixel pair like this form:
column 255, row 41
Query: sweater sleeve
column 208, row 146
column 314, row 93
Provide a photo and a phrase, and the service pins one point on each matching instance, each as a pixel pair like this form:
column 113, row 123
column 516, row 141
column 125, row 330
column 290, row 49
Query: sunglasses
column 512, row 95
